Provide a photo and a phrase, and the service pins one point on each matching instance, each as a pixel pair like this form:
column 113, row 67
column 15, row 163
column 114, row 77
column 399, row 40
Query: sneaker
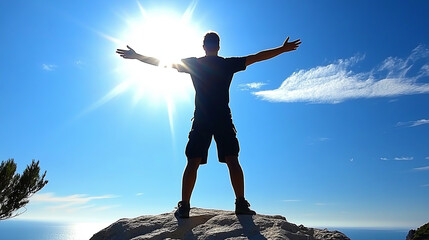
column 183, row 209
column 242, row 207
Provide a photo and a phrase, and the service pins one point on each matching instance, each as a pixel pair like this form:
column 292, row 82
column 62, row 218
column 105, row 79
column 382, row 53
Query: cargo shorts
column 200, row 137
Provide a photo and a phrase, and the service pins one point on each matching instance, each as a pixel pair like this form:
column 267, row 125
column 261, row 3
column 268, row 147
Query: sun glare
column 168, row 36
column 164, row 34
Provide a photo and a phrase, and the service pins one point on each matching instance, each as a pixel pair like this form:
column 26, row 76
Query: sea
column 36, row 230
column 40, row 230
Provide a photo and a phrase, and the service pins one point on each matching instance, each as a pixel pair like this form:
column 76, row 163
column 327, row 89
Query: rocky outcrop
column 422, row 233
column 212, row 224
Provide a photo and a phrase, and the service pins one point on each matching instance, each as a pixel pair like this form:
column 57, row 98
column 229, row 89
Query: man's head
column 211, row 43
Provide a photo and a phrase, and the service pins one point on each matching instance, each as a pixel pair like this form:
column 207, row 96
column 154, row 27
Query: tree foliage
column 16, row 189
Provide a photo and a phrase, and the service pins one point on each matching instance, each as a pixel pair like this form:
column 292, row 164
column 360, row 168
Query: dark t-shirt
column 212, row 76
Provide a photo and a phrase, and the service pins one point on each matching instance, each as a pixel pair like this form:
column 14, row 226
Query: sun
column 168, row 36
column 164, row 34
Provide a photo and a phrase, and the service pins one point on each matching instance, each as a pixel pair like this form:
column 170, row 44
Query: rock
column 410, row 234
column 211, row 224
column 422, row 233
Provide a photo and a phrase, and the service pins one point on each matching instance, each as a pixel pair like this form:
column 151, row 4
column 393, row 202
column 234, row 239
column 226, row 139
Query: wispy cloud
column 403, row 158
column 49, row 67
column 252, row 86
column 336, row 82
column 76, row 198
column 425, row 185
column 292, row 200
column 413, row 123
column 70, row 203
column 427, row 158
column 422, row 168
column 397, row 158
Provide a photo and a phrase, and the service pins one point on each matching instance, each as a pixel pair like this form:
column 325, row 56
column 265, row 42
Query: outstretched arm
column 270, row 53
column 131, row 54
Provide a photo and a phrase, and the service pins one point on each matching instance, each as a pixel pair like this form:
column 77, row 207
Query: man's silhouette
column 212, row 76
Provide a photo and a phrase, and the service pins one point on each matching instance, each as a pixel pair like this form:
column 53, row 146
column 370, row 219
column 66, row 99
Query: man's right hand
column 128, row 54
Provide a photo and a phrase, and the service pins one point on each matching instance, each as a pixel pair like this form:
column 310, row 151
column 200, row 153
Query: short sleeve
column 185, row 65
column 236, row 64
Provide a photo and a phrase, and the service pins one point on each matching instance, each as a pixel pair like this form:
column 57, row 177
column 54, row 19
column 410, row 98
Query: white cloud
column 425, row 185
column 397, row 158
column 75, row 199
column 254, row 85
column 292, row 200
column 403, row 158
column 413, row 123
column 49, row 67
column 427, row 158
column 420, row 122
column 71, row 203
column 422, row 168
column 69, row 208
column 336, row 82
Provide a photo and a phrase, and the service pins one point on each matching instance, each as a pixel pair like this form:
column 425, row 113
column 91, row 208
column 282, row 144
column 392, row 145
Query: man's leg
column 189, row 178
column 236, row 175
column 237, row 181
column 188, row 183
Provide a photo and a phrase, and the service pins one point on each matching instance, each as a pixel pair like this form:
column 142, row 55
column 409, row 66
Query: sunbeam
column 166, row 35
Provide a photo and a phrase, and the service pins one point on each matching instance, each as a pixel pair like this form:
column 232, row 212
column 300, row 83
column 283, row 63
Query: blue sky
column 333, row 134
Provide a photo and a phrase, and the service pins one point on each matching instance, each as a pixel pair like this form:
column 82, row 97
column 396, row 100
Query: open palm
column 129, row 54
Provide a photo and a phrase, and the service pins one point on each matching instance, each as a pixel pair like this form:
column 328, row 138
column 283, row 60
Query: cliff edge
column 422, row 233
column 212, row 224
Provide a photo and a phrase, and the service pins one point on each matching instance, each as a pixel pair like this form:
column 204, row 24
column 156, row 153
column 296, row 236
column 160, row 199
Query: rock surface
column 211, row 224
column 422, row 233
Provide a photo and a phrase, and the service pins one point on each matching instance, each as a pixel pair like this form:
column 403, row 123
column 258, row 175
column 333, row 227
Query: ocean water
column 374, row 234
column 37, row 230
column 30, row 230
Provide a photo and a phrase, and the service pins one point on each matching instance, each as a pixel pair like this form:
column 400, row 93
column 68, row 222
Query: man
column 212, row 76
